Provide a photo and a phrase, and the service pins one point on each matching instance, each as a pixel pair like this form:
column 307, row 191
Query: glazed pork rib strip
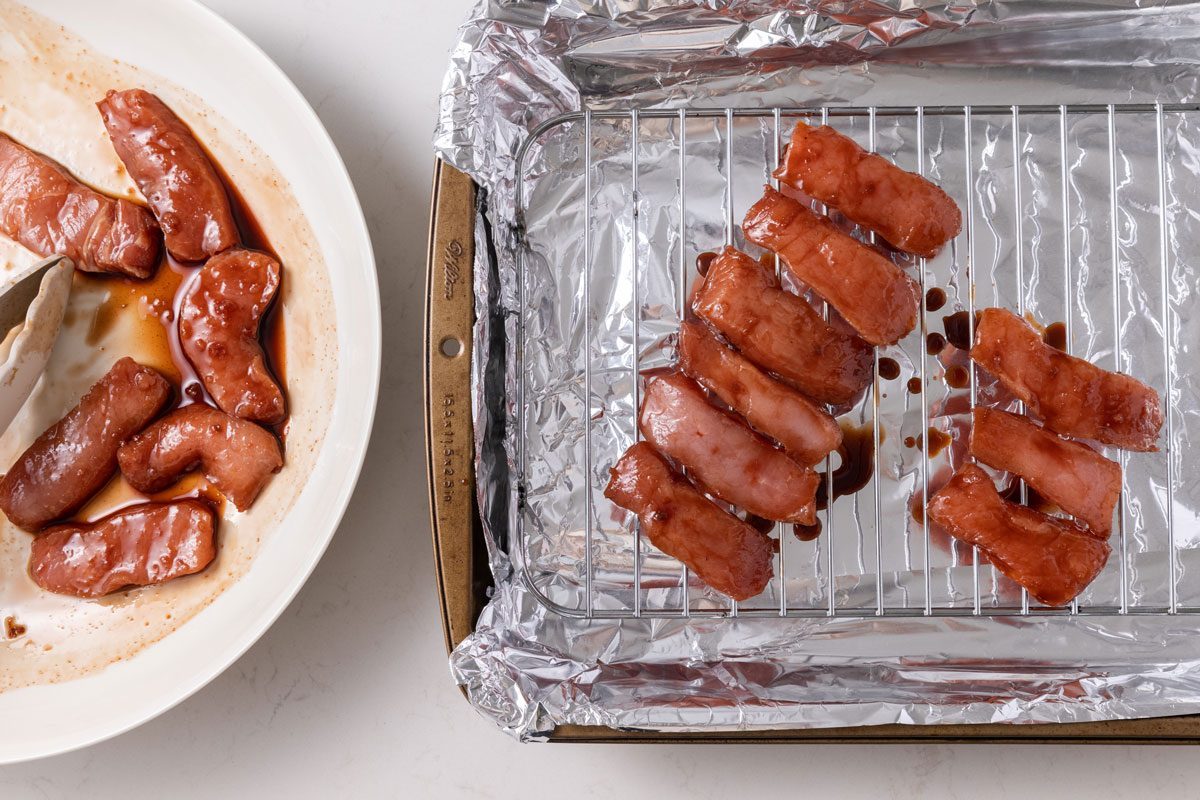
column 44, row 208
column 237, row 456
column 723, row 455
column 219, row 320
column 724, row 552
column 1053, row 558
column 77, row 455
column 173, row 172
column 139, row 546
column 910, row 212
column 869, row 291
column 1071, row 475
column 780, row 331
column 1071, row 396
column 772, row 408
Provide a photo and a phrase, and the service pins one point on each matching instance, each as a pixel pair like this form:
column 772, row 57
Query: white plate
column 194, row 48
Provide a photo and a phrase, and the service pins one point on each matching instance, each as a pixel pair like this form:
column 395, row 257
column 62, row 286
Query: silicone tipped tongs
column 32, row 307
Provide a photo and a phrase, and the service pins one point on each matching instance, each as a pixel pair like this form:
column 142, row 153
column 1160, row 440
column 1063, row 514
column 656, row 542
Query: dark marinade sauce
column 157, row 301
column 858, row 461
column 958, row 329
column 1055, row 335
column 935, row 343
column 806, row 533
column 958, row 377
column 938, row 441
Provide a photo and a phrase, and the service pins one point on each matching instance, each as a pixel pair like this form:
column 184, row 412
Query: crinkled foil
column 518, row 64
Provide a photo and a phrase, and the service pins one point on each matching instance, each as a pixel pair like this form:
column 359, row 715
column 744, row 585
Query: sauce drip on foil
column 935, row 343
column 858, row 462
column 958, row 377
column 938, row 441
column 958, row 329
column 806, row 533
column 1055, row 335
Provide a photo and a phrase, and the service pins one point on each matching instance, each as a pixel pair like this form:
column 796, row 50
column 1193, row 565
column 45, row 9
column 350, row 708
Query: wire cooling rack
column 1076, row 214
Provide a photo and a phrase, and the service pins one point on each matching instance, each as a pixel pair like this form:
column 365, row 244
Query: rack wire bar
column 876, row 389
column 686, row 575
column 780, row 530
column 729, row 228
column 864, row 594
column 830, row 569
column 1068, row 278
column 1168, row 365
column 635, row 126
column 1018, row 215
column 827, row 113
column 589, row 570
column 922, row 265
column 970, row 274
column 1115, row 241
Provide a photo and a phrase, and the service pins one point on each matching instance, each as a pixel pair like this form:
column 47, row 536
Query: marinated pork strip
column 869, row 291
column 219, row 319
column 139, row 546
column 723, row 455
column 771, row 407
column 724, row 552
column 44, row 208
column 1071, row 475
column 1070, row 395
column 910, row 212
column 77, row 455
column 237, row 457
column 174, row 173
column 780, row 331
column 1055, row 559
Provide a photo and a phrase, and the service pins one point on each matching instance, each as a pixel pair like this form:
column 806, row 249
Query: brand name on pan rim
column 451, row 269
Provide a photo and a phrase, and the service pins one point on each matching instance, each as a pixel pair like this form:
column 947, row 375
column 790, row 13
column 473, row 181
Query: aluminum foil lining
column 519, row 64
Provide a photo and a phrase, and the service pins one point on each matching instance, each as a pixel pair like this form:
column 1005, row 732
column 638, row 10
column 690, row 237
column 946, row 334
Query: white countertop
column 348, row 695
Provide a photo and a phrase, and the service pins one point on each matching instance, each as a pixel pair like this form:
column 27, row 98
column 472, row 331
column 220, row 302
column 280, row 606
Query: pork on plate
column 221, row 306
column 237, row 456
column 1070, row 395
column 908, row 211
column 724, row 552
column 139, row 546
column 77, row 455
column 175, row 175
column 219, row 320
column 44, row 208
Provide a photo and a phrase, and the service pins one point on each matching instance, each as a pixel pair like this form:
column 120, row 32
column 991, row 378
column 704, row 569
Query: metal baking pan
column 463, row 576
